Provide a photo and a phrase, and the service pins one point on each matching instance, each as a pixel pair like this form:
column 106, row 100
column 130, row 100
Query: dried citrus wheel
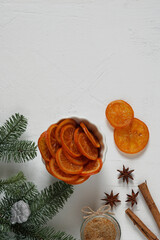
column 76, row 134
column 62, row 124
column 58, row 173
column 92, row 138
column 67, row 139
column 86, row 147
column 133, row 138
column 82, row 160
column 51, row 141
column 92, row 167
column 46, row 155
column 80, row 180
column 65, row 165
column 119, row 113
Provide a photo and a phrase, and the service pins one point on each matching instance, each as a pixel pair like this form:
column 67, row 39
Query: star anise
column 125, row 174
column 111, row 199
column 132, row 198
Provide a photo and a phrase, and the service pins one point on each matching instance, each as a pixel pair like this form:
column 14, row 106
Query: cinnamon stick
column 150, row 202
column 142, row 227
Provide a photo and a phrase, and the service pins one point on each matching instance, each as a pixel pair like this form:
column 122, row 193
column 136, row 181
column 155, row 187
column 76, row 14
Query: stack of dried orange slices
column 70, row 151
column 131, row 135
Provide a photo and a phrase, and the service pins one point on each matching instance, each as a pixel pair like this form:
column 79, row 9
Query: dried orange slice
column 93, row 139
column 119, row 113
column 76, row 134
column 67, row 139
column 133, row 138
column 46, row 155
column 80, row 180
column 80, row 161
column 92, row 167
column 58, row 173
column 62, row 124
column 65, row 165
column 86, row 147
column 51, row 141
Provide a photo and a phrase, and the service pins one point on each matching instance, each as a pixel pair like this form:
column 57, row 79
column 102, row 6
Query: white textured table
column 60, row 58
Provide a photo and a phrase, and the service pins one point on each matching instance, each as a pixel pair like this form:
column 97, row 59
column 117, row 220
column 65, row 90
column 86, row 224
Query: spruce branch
column 39, row 233
column 43, row 205
column 11, row 148
column 5, row 208
column 26, row 191
column 18, row 151
column 12, row 182
column 6, row 236
column 49, row 202
column 13, row 128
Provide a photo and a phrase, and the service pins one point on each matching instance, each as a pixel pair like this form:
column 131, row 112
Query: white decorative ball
column 20, row 212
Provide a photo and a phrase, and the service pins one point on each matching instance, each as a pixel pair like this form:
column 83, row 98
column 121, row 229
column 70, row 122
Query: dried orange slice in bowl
column 65, row 165
column 51, row 140
column 82, row 160
column 67, row 139
column 96, row 131
column 43, row 148
column 133, row 138
column 76, row 134
column 92, row 167
column 61, row 124
column 80, row 180
column 119, row 113
column 86, row 147
column 90, row 136
column 58, row 173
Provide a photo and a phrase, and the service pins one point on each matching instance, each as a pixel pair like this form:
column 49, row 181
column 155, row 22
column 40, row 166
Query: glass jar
column 105, row 223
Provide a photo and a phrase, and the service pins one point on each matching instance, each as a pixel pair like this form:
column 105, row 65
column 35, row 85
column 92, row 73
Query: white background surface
column 60, row 58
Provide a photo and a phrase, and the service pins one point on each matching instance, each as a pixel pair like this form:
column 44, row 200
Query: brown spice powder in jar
column 100, row 229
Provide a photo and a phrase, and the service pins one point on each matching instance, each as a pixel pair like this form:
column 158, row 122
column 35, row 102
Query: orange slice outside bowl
column 119, row 113
column 133, row 138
